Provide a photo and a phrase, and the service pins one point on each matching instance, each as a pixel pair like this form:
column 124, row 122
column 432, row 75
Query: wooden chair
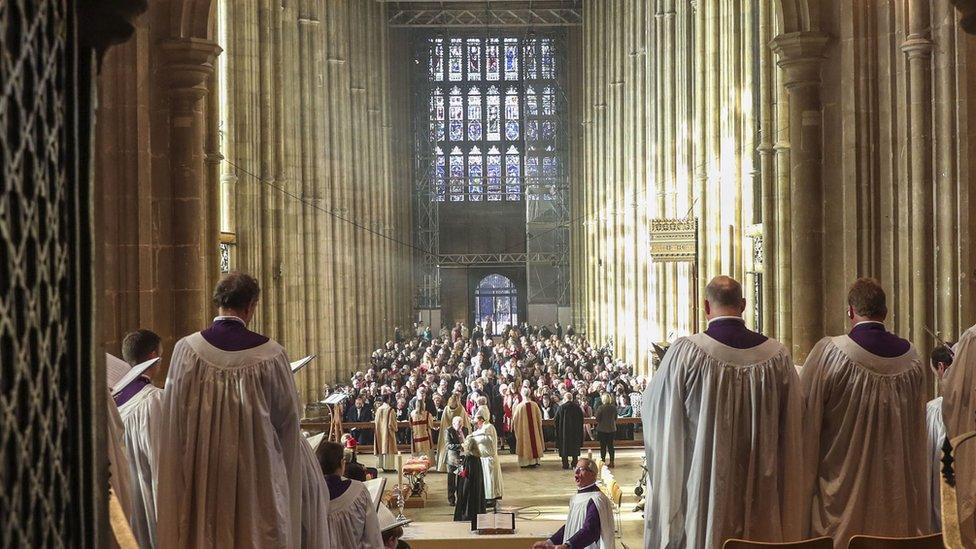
column 616, row 497
column 933, row 541
column 817, row 543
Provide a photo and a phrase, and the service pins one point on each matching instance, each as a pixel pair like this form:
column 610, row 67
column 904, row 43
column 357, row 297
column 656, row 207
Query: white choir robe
column 576, row 517
column 866, row 461
column 315, row 501
column 491, row 469
column 140, row 416
column 352, row 519
column 936, row 434
column 722, row 436
column 958, row 413
column 119, row 475
column 230, row 472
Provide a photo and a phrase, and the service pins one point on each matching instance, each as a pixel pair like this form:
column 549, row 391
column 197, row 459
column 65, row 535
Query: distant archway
column 496, row 303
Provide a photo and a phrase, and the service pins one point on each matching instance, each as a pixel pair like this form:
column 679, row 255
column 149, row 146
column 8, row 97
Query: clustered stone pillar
column 800, row 57
column 189, row 66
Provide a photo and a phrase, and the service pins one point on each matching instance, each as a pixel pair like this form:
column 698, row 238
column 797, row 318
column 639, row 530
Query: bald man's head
column 723, row 297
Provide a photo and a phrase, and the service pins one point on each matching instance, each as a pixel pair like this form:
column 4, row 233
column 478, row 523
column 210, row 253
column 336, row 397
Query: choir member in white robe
column 119, row 477
column 139, row 408
column 487, row 439
column 352, row 512
column 864, row 428
column 959, row 416
column 315, row 499
column 940, row 362
column 527, row 425
column 384, row 431
column 589, row 522
column 230, row 472
column 721, row 423
column 453, row 409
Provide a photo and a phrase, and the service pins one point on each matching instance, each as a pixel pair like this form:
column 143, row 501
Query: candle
column 399, row 466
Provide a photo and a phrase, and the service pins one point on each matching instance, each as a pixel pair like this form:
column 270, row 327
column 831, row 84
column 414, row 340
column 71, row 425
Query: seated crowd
column 480, row 370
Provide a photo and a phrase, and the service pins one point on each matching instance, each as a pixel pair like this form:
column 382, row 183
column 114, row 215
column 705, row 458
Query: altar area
column 539, row 497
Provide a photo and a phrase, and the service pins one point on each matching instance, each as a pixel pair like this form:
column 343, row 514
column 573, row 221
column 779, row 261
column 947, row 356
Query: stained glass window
column 474, row 59
column 511, row 58
column 494, row 174
column 476, row 187
column 492, row 65
column 496, row 117
column 513, row 173
column 457, row 175
column 474, row 115
column 456, row 56
column 456, row 115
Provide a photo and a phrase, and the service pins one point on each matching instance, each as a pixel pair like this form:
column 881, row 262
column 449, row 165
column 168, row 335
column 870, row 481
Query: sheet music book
column 375, row 488
column 495, row 522
column 299, row 364
column 115, row 370
column 335, row 398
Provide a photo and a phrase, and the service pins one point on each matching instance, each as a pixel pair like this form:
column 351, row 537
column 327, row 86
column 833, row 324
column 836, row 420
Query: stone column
column 767, row 171
column 188, row 64
column 918, row 46
column 800, row 57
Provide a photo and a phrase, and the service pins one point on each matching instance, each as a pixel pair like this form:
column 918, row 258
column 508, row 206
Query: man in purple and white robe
column 727, row 392
column 139, row 409
column 589, row 522
column 864, row 435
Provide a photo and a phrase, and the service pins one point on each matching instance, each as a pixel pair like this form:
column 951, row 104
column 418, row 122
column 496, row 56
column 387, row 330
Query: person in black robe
column 455, row 438
column 569, row 430
column 471, row 484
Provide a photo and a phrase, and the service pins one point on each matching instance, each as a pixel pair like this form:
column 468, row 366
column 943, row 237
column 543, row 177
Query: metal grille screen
column 39, row 380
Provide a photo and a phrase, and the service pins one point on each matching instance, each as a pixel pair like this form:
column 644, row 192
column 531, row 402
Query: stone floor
column 542, row 493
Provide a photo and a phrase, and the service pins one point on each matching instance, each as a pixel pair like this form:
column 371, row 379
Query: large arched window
column 494, row 95
column 496, row 303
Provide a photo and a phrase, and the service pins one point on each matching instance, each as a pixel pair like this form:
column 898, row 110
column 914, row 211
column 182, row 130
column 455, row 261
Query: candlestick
column 399, row 466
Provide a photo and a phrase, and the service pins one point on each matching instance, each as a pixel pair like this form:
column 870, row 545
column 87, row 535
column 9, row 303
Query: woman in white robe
column 487, row 439
column 452, row 410
column 722, row 437
column 140, row 416
column 230, row 470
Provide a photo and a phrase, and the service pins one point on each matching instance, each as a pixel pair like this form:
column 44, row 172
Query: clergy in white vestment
column 139, row 409
column 940, row 361
column 453, row 409
column 721, row 423
column 958, row 413
column 487, row 439
column 352, row 512
column 589, row 522
column 230, row 467
column 866, row 462
column 421, row 430
column 384, row 434
column 527, row 425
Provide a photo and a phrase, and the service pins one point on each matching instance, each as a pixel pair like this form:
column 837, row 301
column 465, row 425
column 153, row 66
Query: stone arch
column 191, row 18
column 798, row 15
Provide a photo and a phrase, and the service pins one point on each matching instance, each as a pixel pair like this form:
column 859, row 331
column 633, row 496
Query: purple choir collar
column 231, row 318
column 337, row 485
column 869, row 325
column 591, row 488
column 131, row 390
column 724, row 318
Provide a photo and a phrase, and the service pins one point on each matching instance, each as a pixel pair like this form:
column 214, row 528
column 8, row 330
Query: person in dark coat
column 359, row 412
column 471, row 484
column 569, row 430
column 455, row 438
